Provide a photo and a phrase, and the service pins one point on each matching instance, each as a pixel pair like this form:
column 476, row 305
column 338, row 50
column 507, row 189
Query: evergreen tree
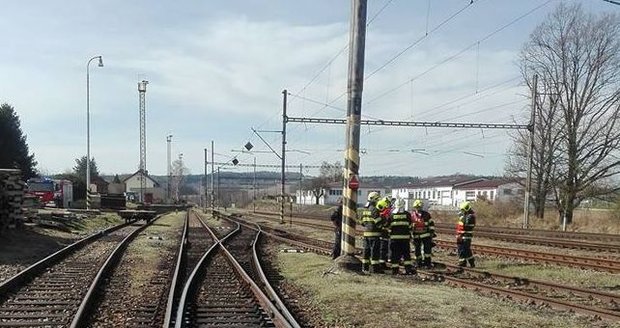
column 14, row 152
column 80, row 168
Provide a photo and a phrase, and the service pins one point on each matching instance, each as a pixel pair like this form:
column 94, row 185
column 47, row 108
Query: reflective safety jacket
column 422, row 225
column 466, row 224
column 372, row 222
column 400, row 225
column 386, row 214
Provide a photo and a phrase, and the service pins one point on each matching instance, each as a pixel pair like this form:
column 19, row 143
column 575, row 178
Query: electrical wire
column 457, row 54
column 411, row 45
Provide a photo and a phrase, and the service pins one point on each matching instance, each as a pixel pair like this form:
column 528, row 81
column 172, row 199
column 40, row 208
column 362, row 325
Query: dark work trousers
column 371, row 251
column 384, row 249
column 400, row 249
column 464, row 250
column 336, row 249
column 423, row 246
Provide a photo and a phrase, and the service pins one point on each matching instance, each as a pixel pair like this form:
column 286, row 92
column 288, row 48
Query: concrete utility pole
column 254, row 186
column 169, row 141
column 283, row 156
column 301, row 179
column 204, row 182
column 212, row 189
column 530, row 156
column 143, row 172
column 357, row 42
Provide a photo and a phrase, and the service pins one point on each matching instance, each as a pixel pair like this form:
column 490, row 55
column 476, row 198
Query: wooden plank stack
column 11, row 197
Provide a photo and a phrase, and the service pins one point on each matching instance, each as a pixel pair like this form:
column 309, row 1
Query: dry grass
column 89, row 225
column 511, row 215
column 499, row 214
column 148, row 249
column 347, row 300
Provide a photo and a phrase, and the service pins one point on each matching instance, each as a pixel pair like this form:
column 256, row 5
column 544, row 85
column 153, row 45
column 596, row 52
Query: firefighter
column 423, row 231
column 336, row 218
column 464, row 234
column 372, row 223
column 400, row 237
column 385, row 207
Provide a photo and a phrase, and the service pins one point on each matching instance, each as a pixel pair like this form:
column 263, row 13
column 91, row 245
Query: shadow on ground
column 27, row 245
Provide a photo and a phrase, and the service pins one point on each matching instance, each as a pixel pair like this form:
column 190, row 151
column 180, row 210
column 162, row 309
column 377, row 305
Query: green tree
column 13, row 146
column 78, row 177
column 80, row 168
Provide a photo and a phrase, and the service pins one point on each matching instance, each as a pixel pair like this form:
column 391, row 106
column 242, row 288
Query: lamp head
column 100, row 61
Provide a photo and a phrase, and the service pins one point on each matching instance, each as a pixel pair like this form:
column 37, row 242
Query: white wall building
column 433, row 190
column 493, row 190
column 152, row 190
column 333, row 192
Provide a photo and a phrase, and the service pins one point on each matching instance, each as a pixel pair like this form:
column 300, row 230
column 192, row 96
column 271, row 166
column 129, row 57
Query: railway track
column 594, row 263
column 195, row 241
column 597, row 241
column 219, row 292
column 134, row 293
column 590, row 302
column 543, row 257
column 56, row 291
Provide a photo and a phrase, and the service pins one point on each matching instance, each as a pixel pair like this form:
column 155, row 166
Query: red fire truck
column 58, row 193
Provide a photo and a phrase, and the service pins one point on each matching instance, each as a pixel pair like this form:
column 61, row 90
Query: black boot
column 409, row 270
column 365, row 266
column 427, row 263
column 472, row 263
column 463, row 263
column 395, row 270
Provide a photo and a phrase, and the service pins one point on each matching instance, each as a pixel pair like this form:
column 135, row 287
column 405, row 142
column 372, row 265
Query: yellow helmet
column 465, row 206
column 373, row 196
column 417, row 204
column 382, row 204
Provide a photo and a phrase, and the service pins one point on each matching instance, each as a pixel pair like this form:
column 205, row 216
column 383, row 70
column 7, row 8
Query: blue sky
column 217, row 68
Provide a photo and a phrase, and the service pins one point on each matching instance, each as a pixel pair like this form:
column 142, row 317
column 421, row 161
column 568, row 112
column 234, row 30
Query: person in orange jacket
column 423, row 232
column 464, row 234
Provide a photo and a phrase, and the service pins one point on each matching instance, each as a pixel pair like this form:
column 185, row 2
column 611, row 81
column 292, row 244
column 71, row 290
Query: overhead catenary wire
column 458, row 53
column 341, row 51
column 416, row 42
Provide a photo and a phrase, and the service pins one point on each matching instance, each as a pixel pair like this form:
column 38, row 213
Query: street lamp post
column 88, row 127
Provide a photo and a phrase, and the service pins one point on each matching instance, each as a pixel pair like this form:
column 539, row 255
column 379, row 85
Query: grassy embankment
column 349, row 300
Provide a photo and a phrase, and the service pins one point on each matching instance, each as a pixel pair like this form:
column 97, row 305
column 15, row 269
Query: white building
column 433, row 190
column 333, row 192
column 152, row 192
column 492, row 189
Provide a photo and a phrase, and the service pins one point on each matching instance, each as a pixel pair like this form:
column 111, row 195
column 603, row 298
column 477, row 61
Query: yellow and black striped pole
column 357, row 40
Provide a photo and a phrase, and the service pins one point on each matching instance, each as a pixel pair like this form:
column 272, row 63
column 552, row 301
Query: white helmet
column 399, row 205
column 373, row 196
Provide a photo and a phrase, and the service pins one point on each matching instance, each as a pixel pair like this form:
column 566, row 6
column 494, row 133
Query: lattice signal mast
column 143, row 171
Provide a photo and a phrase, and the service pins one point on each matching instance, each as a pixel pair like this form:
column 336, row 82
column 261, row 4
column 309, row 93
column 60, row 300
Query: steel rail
column 555, row 258
column 191, row 283
column 531, row 240
column 104, row 271
column 175, row 283
column 40, row 266
column 263, row 278
column 270, row 291
column 518, row 281
column 603, row 313
column 609, row 298
column 615, row 238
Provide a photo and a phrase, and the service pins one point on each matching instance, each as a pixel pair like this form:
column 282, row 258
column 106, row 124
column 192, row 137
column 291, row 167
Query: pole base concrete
column 348, row 262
